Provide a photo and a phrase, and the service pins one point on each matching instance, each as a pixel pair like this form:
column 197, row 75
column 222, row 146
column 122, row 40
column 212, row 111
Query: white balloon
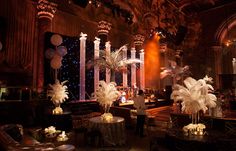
column 49, row 53
column 56, row 39
column 0, row 45
column 62, row 51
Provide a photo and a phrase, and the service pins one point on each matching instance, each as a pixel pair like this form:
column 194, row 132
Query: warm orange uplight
column 152, row 63
column 228, row 43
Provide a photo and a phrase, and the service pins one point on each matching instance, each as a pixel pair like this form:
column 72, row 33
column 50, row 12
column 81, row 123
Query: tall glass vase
column 107, row 108
column 195, row 118
column 113, row 75
column 106, row 116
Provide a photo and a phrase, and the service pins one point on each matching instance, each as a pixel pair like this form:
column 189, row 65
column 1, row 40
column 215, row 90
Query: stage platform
column 148, row 103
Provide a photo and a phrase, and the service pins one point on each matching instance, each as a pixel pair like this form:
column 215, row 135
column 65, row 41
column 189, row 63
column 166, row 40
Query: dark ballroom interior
column 117, row 75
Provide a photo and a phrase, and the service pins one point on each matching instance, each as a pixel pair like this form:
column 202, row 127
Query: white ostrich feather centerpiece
column 174, row 71
column 106, row 94
column 195, row 96
column 114, row 61
column 58, row 94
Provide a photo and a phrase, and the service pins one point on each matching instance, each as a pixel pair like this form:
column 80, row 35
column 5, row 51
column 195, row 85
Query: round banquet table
column 177, row 139
column 113, row 132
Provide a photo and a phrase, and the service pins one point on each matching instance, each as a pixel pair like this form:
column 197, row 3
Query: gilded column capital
column 83, row 36
column 139, row 39
column 141, row 51
column 104, row 27
column 97, row 40
column 46, row 9
column 163, row 47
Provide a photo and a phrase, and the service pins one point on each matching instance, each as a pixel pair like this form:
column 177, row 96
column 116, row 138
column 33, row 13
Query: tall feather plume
column 106, row 94
column 195, row 96
column 114, row 61
column 58, row 92
column 174, row 70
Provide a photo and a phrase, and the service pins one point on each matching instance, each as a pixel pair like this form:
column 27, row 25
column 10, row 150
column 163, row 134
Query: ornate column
column 234, row 65
column 46, row 11
column 142, row 70
column 163, row 47
column 96, row 68
column 218, row 64
column 138, row 43
column 103, row 30
column 133, row 67
column 125, row 78
column 108, row 51
column 167, row 81
column 83, row 38
column 234, row 72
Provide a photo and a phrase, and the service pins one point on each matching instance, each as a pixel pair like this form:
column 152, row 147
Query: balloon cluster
column 56, row 55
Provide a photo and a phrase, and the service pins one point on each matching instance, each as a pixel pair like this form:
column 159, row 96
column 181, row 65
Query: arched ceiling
column 146, row 14
column 227, row 30
column 197, row 6
column 161, row 8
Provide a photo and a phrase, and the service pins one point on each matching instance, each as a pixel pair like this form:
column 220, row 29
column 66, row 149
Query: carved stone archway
column 220, row 36
column 223, row 29
column 149, row 20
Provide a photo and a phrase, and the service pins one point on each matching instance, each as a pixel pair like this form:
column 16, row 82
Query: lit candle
column 63, row 135
column 234, row 65
column 201, row 132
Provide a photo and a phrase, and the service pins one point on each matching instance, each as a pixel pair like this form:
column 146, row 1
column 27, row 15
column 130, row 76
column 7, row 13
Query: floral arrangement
column 195, row 97
column 51, row 132
column 62, row 137
column 106, row 94
column 58, row 94
column 50, row 129
column 107, row 117
column 195, row 129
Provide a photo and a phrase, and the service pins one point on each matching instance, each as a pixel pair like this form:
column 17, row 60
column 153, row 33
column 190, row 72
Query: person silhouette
column 139, row 104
